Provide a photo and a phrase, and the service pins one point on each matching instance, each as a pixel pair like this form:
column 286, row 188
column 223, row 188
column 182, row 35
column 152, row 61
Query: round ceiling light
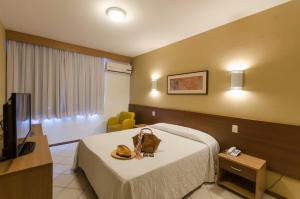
column 116, row 14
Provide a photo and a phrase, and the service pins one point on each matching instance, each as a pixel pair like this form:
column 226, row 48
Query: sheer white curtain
column 61, row 83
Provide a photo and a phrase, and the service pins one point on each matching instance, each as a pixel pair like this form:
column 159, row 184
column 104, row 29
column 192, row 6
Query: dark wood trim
column 32, row 39
column 188, row 93
column 6, row 79
column 277, row 143
column 62, row 143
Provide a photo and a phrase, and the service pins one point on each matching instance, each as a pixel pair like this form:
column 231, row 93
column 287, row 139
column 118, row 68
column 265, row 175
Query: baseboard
column 62, row 143
column 276, row 195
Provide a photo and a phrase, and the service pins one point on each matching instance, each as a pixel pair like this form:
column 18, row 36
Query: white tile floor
column 68, row 184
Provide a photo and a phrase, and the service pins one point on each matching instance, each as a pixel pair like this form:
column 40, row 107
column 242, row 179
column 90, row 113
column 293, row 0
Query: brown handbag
column 149, row 141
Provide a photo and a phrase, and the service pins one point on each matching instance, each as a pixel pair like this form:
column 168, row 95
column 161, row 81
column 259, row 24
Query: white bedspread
column 184, row 160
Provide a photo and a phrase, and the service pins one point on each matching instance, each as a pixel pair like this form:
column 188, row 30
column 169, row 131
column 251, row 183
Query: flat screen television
column 16, row 126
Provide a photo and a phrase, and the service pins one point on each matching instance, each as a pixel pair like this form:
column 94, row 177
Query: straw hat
column 123, row 152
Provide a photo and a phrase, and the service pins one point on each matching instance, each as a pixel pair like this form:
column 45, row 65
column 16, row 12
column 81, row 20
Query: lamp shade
column 237, row 79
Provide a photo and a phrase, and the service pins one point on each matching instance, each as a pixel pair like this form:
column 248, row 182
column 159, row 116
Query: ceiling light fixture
column 116, row 14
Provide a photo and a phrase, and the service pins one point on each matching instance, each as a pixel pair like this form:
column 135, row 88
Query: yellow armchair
column 123, row 121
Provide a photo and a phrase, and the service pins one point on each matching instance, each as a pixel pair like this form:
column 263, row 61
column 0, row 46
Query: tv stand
column 28, row 176
column 28, row 147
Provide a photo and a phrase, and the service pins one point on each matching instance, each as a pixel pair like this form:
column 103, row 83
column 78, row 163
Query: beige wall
column 266, row 44
column 2, row 67
column 117, row 87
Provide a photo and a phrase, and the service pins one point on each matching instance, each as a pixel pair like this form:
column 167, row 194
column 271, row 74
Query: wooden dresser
column 28, row 176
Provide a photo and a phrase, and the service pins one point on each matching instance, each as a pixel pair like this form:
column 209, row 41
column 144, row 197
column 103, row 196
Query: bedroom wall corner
column 266, row 45
column 2, row 66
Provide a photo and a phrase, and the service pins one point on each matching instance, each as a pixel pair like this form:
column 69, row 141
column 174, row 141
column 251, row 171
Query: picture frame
column 192, row 83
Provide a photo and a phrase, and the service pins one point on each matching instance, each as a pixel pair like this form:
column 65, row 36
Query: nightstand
column 139, row 125
column 244, row 174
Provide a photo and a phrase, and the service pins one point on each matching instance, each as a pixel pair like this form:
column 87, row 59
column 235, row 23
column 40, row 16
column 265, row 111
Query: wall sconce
column 154, row 85
column 237, row 79
column 154, row 91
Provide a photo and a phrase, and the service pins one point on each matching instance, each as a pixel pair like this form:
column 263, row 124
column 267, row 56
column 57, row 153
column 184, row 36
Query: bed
column 185, row 159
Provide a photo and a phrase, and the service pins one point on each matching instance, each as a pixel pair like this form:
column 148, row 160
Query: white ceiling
column 150, row 24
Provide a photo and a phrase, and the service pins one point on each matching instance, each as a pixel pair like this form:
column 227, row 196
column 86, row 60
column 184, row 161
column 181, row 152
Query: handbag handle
column 147, row 129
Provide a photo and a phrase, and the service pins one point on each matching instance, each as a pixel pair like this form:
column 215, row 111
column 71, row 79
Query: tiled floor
column 72, row 185
column 68, row 184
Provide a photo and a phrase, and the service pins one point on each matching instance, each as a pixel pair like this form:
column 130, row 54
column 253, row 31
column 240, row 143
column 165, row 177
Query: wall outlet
column 235, row 128
column 153, row 113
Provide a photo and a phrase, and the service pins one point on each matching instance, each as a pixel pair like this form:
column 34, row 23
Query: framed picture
column 194, row 83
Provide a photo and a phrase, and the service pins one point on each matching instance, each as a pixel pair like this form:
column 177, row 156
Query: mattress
column 184, row 160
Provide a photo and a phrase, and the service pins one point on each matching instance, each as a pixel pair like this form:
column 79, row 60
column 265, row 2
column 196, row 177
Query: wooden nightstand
column 244, row 174
column 139, row 125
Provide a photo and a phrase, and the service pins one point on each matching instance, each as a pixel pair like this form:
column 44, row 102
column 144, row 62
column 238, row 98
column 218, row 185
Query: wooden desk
column 28, row 176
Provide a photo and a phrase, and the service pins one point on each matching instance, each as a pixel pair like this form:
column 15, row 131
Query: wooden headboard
column 279, row 144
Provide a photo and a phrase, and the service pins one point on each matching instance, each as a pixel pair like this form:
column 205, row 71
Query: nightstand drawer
column 238, row 169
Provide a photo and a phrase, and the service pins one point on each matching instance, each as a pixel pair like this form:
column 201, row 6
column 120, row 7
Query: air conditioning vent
column 118, row 67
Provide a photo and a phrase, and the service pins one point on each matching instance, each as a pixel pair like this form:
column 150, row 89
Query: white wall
column 117, row 91
column 68, row 129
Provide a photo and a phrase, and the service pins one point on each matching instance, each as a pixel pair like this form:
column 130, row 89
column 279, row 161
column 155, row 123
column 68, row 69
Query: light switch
column 153, row 113
column 235, row 128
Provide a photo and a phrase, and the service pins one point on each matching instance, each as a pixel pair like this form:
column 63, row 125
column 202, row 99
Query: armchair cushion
column 125, row 120
column 113, row 121
column 125, row 115
column 128, row 124
column 115, row 127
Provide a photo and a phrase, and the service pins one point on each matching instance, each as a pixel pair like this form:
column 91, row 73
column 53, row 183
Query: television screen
column 16, row 126
column 23, row 118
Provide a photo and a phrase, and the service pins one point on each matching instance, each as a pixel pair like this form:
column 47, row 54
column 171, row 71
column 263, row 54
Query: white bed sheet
column 184, row 160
